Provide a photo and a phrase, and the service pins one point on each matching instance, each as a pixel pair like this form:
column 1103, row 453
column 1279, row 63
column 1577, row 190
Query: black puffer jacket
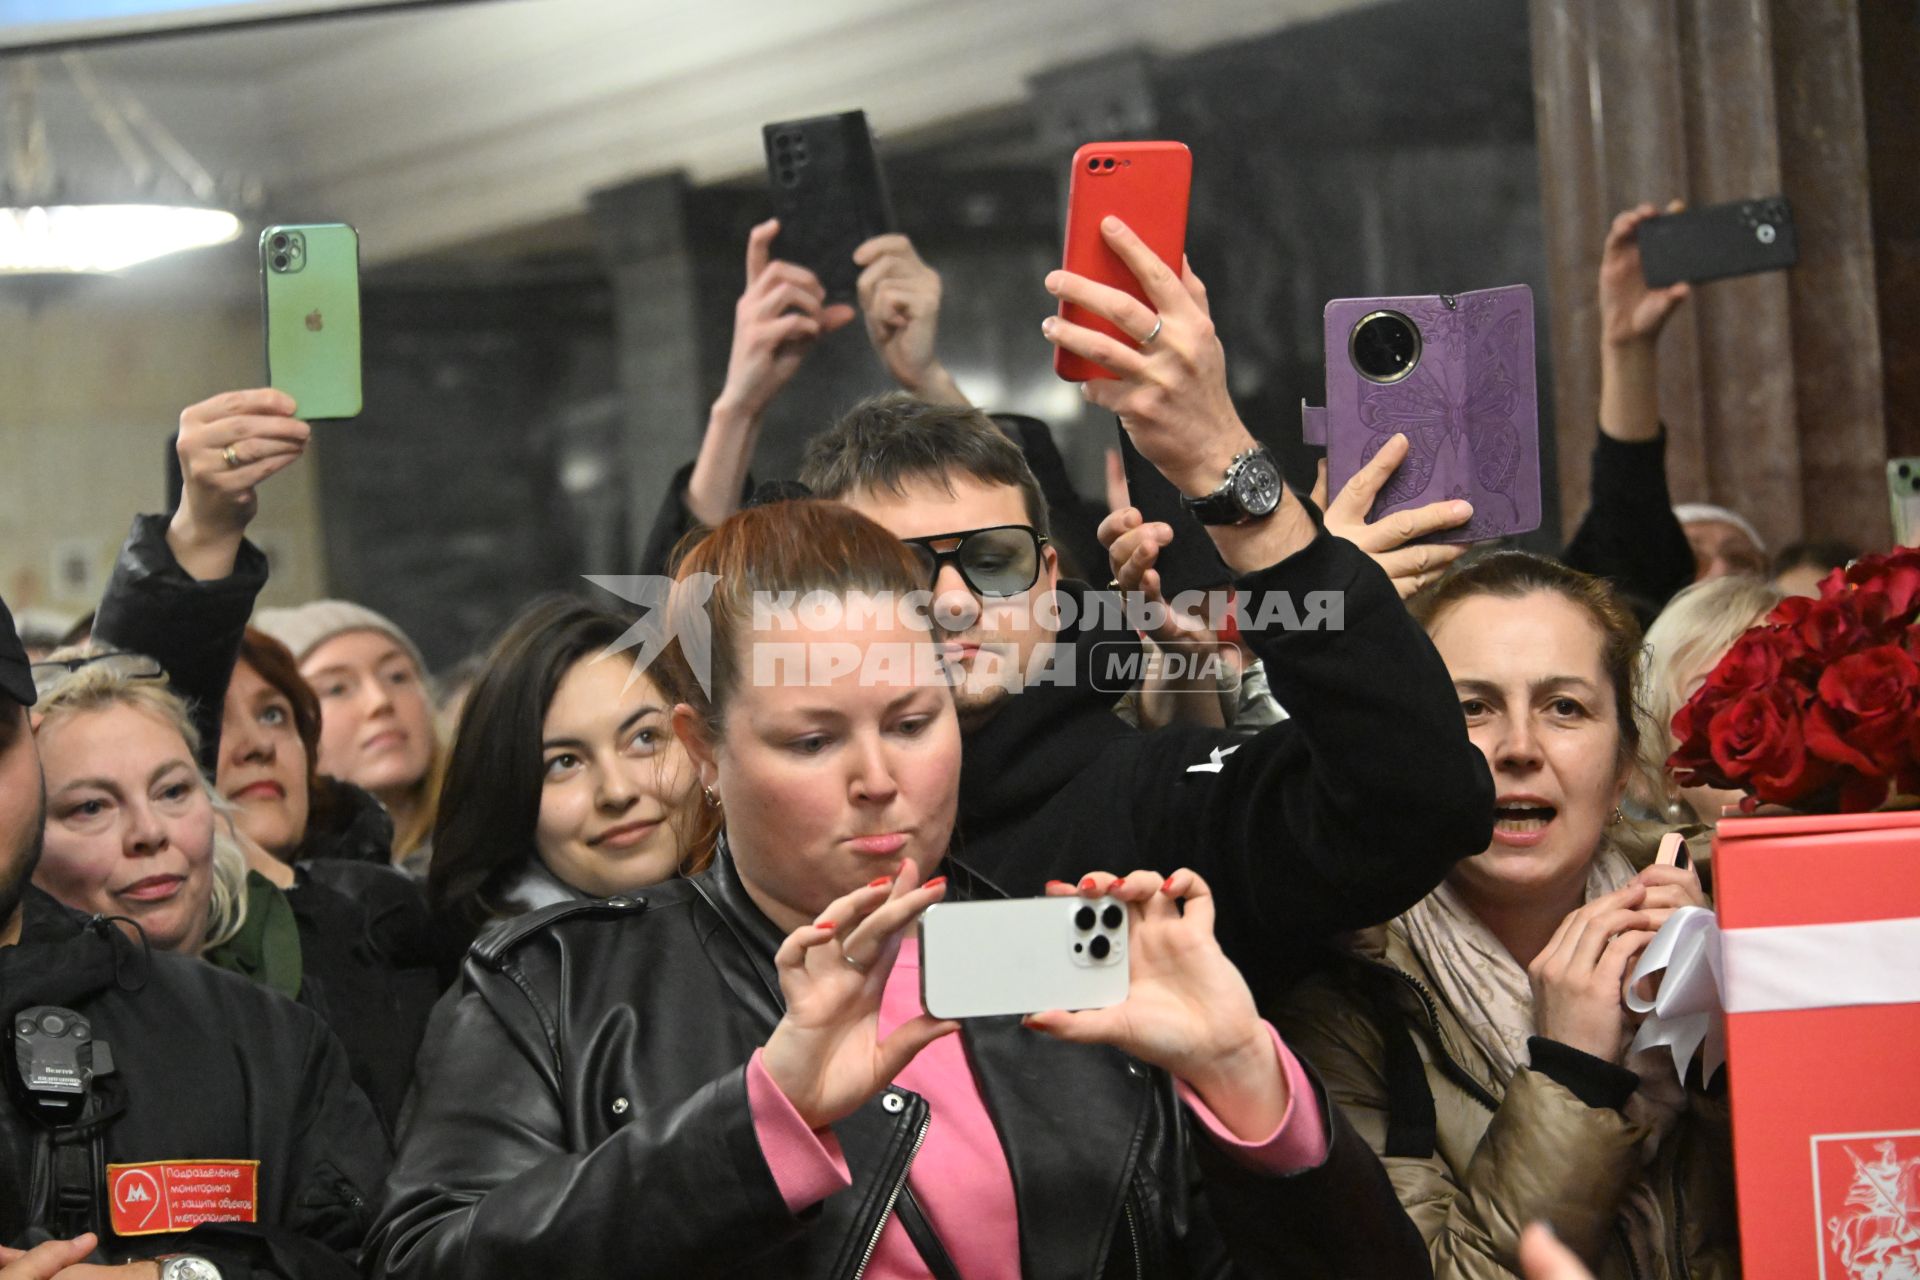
column 582, row 1111
column 209, row 1066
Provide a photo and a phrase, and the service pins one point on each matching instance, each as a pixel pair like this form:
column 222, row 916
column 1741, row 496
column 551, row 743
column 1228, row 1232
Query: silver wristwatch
column 186, row 1266
column 1251, row 491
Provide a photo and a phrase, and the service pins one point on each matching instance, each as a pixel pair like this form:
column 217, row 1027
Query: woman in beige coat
column 1479, row 1040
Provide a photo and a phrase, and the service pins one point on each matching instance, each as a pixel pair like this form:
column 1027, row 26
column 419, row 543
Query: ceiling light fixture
column 42, row 233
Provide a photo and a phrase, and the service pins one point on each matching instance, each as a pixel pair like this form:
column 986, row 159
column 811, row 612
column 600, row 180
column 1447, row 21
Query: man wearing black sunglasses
column 1337, row 818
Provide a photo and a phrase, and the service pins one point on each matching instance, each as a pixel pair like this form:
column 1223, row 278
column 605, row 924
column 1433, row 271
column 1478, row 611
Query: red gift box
column 1820, row 939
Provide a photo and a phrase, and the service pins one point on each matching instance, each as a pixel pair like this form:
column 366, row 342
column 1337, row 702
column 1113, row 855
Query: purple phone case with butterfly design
column 1469, row 410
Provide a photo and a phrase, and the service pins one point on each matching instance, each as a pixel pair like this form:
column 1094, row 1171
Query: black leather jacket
column 581, row 1110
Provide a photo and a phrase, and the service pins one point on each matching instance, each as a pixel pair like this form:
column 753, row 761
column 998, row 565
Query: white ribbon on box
column 1685, row 1016
column 1802, row 966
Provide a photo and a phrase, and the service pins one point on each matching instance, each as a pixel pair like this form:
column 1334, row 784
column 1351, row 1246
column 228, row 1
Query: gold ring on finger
column 233, row 459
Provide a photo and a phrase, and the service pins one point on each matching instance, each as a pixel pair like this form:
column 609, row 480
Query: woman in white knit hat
column 377, row 727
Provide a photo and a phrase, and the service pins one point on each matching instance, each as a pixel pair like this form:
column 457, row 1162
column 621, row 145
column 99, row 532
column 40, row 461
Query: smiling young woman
column 377, row 729
column 565, row 782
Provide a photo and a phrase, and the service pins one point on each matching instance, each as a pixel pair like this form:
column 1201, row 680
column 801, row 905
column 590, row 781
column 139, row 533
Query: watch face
column 1257, row 488
column 189, row 1268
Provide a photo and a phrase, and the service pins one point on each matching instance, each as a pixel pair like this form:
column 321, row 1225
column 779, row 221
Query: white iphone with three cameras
column 1022, row 955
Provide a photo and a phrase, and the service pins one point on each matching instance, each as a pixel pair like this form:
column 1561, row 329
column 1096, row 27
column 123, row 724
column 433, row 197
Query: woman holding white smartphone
column 733, row 1074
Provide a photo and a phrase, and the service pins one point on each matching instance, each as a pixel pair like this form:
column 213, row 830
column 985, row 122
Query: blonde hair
column 1700, row 622
column 102, row 686
column 417, row 833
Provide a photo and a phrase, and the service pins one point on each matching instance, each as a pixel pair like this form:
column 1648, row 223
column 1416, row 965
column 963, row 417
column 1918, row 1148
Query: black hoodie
column 1343, row 815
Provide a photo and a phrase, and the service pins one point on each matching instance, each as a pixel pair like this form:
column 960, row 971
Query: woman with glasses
column 334, row 921
column 217, row 1076
column 131, row 830
column 136, row 833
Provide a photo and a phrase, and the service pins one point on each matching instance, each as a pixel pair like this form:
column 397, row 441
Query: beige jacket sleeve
column 1545, row 1155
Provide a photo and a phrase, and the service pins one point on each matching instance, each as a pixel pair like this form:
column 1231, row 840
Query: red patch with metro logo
column 162, row 1196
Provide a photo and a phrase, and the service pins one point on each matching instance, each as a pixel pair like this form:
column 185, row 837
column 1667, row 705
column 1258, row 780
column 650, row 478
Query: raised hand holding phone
column 900, row 298
column 781, row 314
column 1632, row 316
column 1385, row 540
column 1170, row 392
column 227, row 447
column 1188, row 1010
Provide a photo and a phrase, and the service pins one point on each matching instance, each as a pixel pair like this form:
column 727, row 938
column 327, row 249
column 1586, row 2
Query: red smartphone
column 1145, row 185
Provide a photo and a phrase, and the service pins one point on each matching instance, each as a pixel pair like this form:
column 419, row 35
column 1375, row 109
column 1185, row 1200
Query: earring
column 713, row 800
column 1617, row 818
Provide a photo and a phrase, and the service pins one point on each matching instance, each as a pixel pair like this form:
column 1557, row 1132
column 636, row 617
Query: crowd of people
column 613, row 970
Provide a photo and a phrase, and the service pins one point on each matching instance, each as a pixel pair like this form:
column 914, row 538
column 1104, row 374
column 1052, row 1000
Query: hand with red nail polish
column 826, row 1055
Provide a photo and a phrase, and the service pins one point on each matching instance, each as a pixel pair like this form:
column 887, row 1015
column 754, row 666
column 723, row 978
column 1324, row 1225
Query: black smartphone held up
column 1190, row 562
column 829, row 194
column 1737, row 239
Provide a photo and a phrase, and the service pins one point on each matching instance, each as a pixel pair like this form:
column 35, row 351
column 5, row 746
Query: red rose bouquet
column 1818, row 706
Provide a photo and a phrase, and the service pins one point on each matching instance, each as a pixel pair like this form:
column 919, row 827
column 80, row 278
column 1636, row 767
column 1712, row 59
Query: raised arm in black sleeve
column 192, row 628
column 1353, row 808
column 1629, row 534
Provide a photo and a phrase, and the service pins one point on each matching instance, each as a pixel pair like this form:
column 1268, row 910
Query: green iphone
column 310, row 284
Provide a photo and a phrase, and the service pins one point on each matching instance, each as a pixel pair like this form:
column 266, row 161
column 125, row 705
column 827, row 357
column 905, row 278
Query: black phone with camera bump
column 1743, row 237
column 829, row 193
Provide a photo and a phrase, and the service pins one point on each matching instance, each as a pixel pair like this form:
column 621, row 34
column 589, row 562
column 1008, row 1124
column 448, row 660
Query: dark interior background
column 1390, row 150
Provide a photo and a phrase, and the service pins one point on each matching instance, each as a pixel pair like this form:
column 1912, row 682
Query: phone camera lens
column 279, row 242
column 1112, row 917
column 1100, row 948
column 1765, row 234
column 1083, row 918
column 280, row 261
column 1107, row 163
column 1093, row 166
column 1384, row 347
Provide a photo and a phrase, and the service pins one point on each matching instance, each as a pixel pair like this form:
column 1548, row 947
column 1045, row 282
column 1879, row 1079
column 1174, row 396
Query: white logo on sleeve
column 1215, row 761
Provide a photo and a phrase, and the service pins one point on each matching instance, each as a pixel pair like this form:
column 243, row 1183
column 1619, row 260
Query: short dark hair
column 885, row 443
